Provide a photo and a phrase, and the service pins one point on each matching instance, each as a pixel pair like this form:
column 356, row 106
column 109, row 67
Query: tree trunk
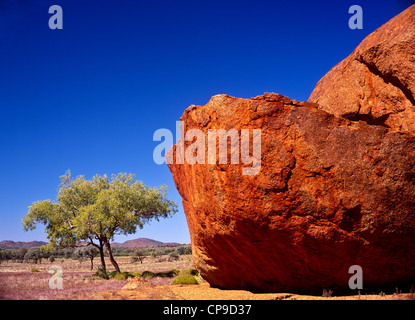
column 101, row 253
column 92, row 263
column 114, row 263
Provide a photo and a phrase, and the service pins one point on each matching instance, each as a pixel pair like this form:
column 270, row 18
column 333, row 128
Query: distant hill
column 144, row 242
column 139, row 242
column 21, row 244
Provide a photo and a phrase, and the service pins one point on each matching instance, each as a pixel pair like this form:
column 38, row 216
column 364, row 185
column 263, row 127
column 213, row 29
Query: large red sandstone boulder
column 376, row 83
column 332, row 191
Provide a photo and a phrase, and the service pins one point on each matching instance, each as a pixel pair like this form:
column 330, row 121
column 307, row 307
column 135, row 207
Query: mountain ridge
column 21, row 244
column 138, row 242
column 144, row 242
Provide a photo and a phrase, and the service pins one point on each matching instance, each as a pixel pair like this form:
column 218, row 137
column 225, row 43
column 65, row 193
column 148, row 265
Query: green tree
column 20, row 253
column 141, row 254
column 78, row 254
column 86, row 252
column 33, row 254
column 3, row 256
column 184, row 249
column 95, row 210
column 158, row 254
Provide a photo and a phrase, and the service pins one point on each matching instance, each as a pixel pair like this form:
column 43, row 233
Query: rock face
column 376, row 83
column 331, row 191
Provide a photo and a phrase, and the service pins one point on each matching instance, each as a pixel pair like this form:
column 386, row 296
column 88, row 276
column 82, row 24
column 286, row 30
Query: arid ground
column 19, row 282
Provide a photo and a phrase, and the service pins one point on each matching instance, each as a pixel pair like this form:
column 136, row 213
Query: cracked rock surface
column 376, row 83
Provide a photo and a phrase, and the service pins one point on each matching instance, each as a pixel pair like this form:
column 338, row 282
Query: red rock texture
column 332, row 191
column 376, row 83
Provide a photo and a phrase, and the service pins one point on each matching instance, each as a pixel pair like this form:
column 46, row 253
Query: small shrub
column 133, row 259
column 121, row 276
column 326, row 293
column 157, row 253
column 174, row 256
column 102, row 274
column 173, row 273
column 112, row 274
column 34, row 270
column 161, row 274
column 194, row 272
column 168, row 274
column 135, row 274
column 191, row 272
column 184, row 279
column 148, row 274
column 185, row 249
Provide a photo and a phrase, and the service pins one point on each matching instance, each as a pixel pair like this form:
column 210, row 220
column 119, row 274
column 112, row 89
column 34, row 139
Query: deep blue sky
column 89, row 97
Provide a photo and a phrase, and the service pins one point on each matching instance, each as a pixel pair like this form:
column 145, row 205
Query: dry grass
column 17, row 282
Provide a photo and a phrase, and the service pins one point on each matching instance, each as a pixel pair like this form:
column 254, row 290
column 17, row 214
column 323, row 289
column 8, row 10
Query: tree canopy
column 95, row 210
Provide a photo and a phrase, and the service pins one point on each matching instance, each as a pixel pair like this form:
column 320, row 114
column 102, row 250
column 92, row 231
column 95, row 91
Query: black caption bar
column 204, row 309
